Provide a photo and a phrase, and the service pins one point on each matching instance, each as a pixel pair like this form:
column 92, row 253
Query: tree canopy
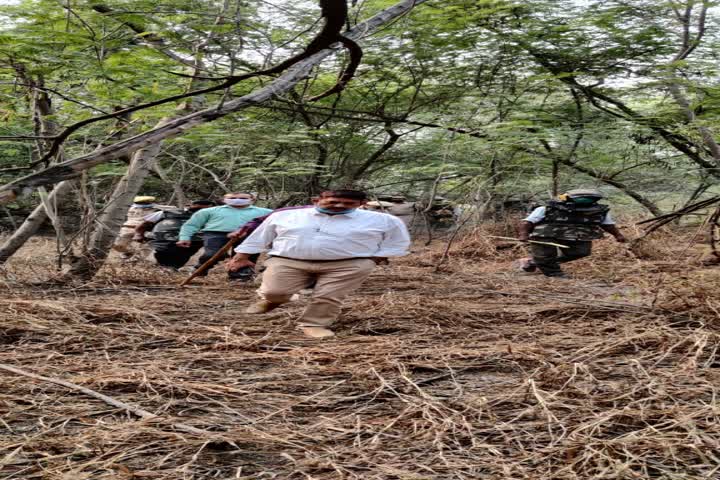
column 488, row 98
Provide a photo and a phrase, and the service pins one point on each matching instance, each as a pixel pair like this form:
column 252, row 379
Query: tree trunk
column 89, row 263
column 555, row 184
column 705, row 133
column 33, row 222
column 45, row 126
column 180, row 198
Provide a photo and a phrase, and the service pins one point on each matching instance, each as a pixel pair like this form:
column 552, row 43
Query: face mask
column 143, row 205
column 333, row 212
column 238, row 202
column 584, row 200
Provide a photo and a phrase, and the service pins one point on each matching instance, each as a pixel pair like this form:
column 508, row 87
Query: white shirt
column 154, row 217
column 306, row 234
column 538, row 215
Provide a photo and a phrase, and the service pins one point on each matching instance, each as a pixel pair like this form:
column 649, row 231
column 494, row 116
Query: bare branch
column 282, row 84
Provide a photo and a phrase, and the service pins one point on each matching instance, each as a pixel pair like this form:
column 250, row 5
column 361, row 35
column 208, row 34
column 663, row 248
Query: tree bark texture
column 113, row 217
column 34, row 221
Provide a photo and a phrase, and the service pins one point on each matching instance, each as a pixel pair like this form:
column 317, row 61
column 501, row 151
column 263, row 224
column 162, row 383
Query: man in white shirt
column 332, row 242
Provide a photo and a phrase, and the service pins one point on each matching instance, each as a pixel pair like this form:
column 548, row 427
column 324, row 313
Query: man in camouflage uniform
column 574, row 220
column 165, row 225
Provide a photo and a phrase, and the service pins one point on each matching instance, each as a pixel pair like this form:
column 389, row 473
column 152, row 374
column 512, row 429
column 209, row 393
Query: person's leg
column 545, row 257
column 212, row 243
column 282, row 279
column 187, row 253
column 335, row 281
column 576, row 251
column 123, row 242
column 170, row 255
column 164, row 253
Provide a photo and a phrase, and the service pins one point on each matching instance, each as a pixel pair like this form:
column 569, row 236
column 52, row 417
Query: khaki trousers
column 124, row 241
column 335, row 280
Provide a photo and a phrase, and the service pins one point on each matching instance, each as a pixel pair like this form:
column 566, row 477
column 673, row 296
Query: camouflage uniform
column 165, row 234
column 567, row 224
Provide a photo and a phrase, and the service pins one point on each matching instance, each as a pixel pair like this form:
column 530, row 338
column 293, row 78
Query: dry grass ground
column 472, row 372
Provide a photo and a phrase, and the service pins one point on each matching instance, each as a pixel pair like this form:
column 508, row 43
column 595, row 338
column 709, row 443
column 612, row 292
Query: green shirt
column 220, row 219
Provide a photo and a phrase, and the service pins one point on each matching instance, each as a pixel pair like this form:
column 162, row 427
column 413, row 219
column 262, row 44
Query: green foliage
column 499, row 70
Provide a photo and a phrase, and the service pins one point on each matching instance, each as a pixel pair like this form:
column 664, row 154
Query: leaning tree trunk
column 93, row 258
column 33, row 222
column 45, row 126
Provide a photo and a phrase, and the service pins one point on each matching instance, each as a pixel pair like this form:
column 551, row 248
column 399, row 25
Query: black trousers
column 548, row 258
column 168, row 254
column 212, row 243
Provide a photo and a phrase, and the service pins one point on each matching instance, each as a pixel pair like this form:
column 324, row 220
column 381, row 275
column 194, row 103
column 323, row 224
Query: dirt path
column 474, row 372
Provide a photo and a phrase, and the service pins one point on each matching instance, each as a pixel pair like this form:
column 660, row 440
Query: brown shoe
column 262, row 306
column 317, row 332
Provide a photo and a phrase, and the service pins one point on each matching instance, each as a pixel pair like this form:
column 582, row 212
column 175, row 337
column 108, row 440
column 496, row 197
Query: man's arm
column 148, row 223
column 259, row 241
column 615, row 232
column 395, row 242
column 141, row 229
column 525, row 228
column 609, row 226
column 527, row 225
column 192, row 226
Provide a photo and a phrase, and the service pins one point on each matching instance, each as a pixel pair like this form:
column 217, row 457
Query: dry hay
column 474, row 373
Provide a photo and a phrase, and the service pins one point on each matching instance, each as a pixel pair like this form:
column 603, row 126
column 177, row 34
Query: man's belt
column 334, row 260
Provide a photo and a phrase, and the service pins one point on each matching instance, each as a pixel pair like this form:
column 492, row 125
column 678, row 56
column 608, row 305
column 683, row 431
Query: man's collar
column 352, row 214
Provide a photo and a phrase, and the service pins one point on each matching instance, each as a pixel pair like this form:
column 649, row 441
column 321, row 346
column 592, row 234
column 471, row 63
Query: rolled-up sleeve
column 608, row 220
column 260, row 240
column 192, row 226
column 537, row 215
column 396, row 240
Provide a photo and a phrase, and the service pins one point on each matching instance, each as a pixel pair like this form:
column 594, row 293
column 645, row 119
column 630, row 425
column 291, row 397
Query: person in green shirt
column 214, row 224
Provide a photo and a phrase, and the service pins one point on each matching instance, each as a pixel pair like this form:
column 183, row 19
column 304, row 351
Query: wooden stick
column 144, row 414
column 202, row 268
column 530, row 241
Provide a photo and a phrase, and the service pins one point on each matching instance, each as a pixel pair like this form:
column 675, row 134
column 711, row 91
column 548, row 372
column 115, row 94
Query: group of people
column 334, row 244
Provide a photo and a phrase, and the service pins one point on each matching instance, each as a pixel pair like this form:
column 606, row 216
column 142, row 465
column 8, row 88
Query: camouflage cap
column 584, row 192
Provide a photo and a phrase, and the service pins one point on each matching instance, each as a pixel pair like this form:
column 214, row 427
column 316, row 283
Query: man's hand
column 183, row 243
column 239, row 233
column 380, row 260
column 620, row 238
column 139, row 238
column 524, row 230
column 240, row 260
